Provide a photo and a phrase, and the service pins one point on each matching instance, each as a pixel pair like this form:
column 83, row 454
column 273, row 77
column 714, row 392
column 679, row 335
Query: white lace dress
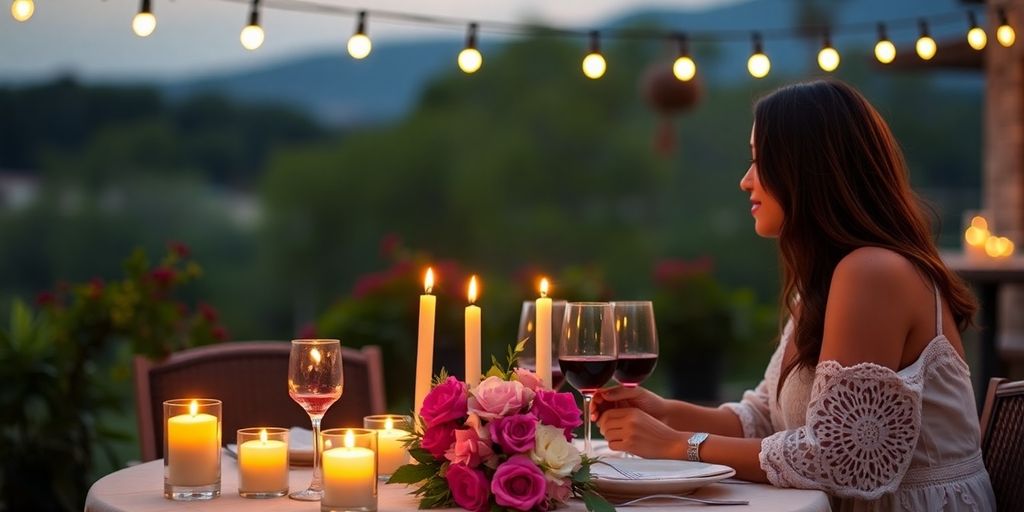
column 872, row 438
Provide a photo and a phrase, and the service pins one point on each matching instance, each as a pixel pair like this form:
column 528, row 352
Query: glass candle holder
column 349, row 470
column 392, row 430
column 262, row 462
column 192, row 430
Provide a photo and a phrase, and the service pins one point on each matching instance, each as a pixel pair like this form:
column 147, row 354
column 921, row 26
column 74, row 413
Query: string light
column 252, row 35
column 144, row 23
column 470, row 59
column 22, row 10
column 758, row 64
column 1005, row 34
column 594, row 65
column 359, row 45
column 684, row 68
column 976, row 36
column 925, row 44
column 828, row 57
column 885, row 51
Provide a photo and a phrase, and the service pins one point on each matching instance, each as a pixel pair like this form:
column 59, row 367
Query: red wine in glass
column 587, row 373
column 316, row 404
column 632, row 369
column 557, row 378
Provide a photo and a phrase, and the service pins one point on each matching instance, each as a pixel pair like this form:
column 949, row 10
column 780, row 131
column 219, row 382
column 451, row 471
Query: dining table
column 139, row 488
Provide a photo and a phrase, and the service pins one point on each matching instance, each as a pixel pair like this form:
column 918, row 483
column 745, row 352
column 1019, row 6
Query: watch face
column 698, row 438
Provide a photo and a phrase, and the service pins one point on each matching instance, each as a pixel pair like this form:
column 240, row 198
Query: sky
column 93, row 38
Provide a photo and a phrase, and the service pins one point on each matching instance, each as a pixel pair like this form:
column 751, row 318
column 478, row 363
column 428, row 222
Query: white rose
column 552, row 452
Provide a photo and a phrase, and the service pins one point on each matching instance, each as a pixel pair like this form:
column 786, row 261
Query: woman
column 867, row 396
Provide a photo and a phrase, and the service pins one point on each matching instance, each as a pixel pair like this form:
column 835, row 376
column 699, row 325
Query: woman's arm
column 676, row 414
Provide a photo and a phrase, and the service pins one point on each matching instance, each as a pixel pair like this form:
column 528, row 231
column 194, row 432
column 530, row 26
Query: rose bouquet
column 504, row 445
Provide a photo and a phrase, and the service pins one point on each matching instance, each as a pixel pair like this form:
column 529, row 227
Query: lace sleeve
column 753, row 411
column 862, row 426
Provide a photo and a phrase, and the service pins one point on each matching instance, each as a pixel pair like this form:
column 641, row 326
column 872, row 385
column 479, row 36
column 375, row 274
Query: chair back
column 1002, row 441
column 251, row 379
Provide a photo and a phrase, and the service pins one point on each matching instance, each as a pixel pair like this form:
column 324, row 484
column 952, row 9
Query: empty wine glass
column 637, row 340
column 586, row 352
column 527, row 331
column 315, row 381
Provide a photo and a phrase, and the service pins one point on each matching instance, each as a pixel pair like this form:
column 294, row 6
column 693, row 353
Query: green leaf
column 582, row 475
column 412, row 473
column 596, row 503
column 423, row 456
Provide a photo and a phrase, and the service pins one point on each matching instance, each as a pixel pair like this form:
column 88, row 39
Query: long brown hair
column 829, row 159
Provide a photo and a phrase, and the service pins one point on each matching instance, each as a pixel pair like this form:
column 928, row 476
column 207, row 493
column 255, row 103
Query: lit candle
column 350, row 479
column 976, row 236
column 543, row 335
column 425, row 341
column 391, row 448
column 262, row 465
column 472, row 337
column 193, row 449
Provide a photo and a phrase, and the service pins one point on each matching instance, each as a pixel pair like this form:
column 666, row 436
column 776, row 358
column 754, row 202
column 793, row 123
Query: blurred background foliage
column 523, row 170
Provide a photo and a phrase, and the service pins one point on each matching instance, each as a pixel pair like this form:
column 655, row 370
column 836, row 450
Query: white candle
column 391, row 451
column 472, row 337
column 425, row 342
column 262, row 465
column 349, row 478
column 193, row 449
column 543, row 334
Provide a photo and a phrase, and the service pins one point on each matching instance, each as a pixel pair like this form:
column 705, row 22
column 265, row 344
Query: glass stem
column 586, row 426
column 315, row 484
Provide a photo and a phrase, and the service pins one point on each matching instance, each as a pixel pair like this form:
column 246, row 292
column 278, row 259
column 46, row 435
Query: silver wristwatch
column 693, row 451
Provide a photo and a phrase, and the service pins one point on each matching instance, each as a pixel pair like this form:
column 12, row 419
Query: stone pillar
column 1003, row 185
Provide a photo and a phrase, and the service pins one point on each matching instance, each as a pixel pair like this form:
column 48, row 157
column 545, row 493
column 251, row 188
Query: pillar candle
column 262, row 465
column 543, row 334
column 349, row 479
column 425, row 342
column 472, row 337
column 391, row 450
column 193, row 450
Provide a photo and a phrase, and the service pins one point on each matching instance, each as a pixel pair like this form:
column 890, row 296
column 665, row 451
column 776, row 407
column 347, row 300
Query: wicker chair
column 1002, row 441
column 251, row 379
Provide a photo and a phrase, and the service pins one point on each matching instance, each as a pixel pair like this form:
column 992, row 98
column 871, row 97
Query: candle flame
column 193, row 408
column 975, row 235
column 979, row 222
column 314, row 354
column 472, row 289
column 350, row 439
column 544, row 287
column 263, row 435
column 428, row 281
column 993, row 247
column 389, row 424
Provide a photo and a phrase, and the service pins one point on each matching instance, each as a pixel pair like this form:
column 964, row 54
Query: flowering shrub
column 504, row 445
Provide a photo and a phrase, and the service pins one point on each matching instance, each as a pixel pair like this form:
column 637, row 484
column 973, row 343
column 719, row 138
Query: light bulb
column 925, row 47
column 359, row 46
column 144, row 23
column 684, row 68
column 594, row 66
column 22, row 10
column 885, row 51
column 828, row 59
column 758, row 65
column 252, row 37
column 977, row 38
column 470, row 60
column 1006, row 35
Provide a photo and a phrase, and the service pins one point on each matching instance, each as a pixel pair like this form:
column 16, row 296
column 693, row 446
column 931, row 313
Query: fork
column 630, row 474
column 705, row 501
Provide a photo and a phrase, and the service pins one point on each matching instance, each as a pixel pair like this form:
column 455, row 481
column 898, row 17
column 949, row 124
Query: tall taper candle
column 543, row 334
column 472, row 337
column 425, row 341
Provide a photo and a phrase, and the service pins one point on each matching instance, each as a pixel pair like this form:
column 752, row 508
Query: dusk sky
column 93, row 38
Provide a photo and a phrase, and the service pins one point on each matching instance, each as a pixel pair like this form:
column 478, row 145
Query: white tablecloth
column 140, row 489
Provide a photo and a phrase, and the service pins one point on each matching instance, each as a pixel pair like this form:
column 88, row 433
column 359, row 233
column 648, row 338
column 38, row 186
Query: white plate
column 657, row 476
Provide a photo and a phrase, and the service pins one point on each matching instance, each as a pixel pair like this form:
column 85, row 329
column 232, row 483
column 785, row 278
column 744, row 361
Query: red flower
column 208, row 312
column 95, row 288
column 219, row 333
column 46, row 299
column 389, row 245
column 163, row 276
column 307, row 331
column 178, row 249
column 367, row 284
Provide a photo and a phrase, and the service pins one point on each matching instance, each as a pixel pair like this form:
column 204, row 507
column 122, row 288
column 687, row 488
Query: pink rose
column 494, row 398
column 557, row 410
column 446, row 402
column 557, row 494
column 469, row 487
column 529, row 379
column 437, row 439
column 469, row 449
column 519, row 484
column 514, row 434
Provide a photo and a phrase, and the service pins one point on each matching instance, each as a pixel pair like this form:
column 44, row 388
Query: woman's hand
column 608, row 399
column 635, row 431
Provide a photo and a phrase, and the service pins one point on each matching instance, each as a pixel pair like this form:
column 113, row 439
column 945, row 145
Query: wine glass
column 586, row 352
column 315, row 382
column 527, row 328
column 637, row 342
